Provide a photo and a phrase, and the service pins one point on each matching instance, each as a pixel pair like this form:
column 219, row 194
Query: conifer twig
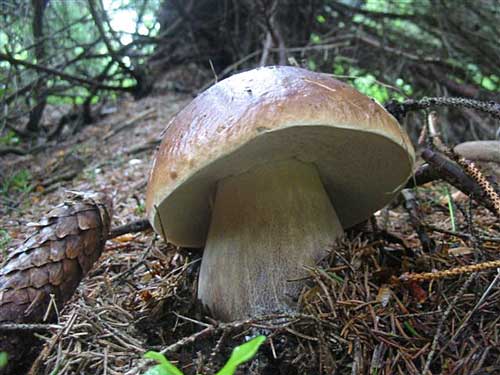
column 400, row 109
column 428, row 276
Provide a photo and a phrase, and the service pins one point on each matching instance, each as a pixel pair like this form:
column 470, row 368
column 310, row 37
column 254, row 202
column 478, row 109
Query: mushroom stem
column 267, row 223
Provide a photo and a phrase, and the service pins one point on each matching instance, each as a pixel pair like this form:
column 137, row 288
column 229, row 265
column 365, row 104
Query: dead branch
column 140, row 225
column 475, row 173
column 454, row 174
column 29, row 86
column 144, row 147
column 411, row 206
column 66, row 76
column 114, row 55
column 12, row 150
column 423, row 175
column 400, row 110
column 28, row 327
column 46, row 38
column 131, row 122
column 22, row 152
column 465, row 236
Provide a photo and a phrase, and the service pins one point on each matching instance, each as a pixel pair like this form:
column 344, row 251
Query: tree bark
column 39, row 96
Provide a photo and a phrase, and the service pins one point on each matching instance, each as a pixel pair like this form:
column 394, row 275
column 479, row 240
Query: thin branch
column 411, row 206
column 461, row 234
column 454, row 174
column 102, row 32
column 400, row 109
column 133, row 227
column 28, row 327
column 62, row 75
column 51, row 36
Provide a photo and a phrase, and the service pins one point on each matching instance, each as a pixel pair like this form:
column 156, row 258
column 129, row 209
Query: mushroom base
column 267, row 224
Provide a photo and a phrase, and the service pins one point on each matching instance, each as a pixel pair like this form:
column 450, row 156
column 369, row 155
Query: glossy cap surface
column 268, row 114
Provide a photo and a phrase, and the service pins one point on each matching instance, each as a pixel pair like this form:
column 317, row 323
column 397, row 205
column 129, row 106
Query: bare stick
column 28, row 327
column 127, row 124
column 461, row 234
column 423, row 175
column 454, row 174
column 411, row 206
column 133, row 227
column 63, row 75
column 399, row 110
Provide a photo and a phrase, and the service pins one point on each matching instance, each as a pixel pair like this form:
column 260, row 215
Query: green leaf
column 321, row 19
column 242, row 354
column 3, row 359
column 451, row 209
column 410, row 328
column 163, row 368
column 157, row 370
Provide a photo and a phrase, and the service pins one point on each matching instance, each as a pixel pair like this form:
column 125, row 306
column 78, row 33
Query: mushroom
column 484, row 153
column 265, row 169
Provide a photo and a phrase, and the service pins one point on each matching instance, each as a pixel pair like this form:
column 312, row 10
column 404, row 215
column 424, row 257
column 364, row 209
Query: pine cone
column 54, row 259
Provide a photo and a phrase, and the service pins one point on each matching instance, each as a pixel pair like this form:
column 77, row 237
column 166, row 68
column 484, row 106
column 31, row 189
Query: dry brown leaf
column 417, row 291
column 124, row 238
column 460, row 251
column 384, row 295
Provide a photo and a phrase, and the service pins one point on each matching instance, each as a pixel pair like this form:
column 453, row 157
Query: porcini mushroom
column 484, row 153
column 265, row 169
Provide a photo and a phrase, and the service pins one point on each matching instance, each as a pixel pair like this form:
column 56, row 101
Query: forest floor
column 357, row 317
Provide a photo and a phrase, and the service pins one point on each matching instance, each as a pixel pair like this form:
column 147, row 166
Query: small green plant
column 9, row 139
column 240, row 355
column 3, row 359
column 17, row 182
column 140, row 209
column 451, row 208
column 4, row 242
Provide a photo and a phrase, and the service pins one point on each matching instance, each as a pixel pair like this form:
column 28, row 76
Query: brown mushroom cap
column 269, row 114
column 486, row 154
column 482, row 151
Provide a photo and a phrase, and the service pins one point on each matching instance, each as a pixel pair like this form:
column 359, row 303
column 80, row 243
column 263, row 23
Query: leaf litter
column 357, row 316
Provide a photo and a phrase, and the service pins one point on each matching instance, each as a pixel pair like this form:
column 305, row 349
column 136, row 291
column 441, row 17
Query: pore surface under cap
column 271, row 114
